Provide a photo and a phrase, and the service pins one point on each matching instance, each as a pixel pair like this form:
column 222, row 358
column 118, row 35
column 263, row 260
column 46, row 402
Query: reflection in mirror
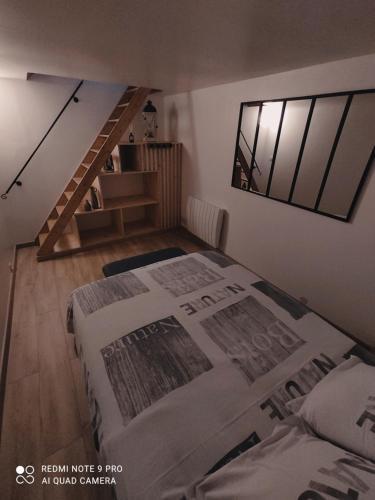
column 294, row 122
column 269, row 125
column 245, row 146
column 352, row 154
column 323, row 127
column 311, row 152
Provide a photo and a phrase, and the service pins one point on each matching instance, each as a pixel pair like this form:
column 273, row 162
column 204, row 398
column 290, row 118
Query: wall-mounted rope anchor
column 4, row 196
column 74, row 98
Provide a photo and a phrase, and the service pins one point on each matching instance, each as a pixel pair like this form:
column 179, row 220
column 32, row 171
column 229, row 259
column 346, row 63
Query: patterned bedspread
column 188, row 358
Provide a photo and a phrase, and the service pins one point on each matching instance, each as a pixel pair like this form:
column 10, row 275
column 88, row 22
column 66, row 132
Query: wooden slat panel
column 168, row 188
column 146, row 152
column 175, row 186
column 179, row 181
column 170, row 183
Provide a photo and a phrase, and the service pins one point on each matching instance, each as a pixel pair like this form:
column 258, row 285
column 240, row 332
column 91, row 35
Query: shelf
column 99, row 235
column 128, row 202
column 144, row 143
column 67, row 242
column 139, row 228
column 91, row 212
column 121, row 202
column 128, row 172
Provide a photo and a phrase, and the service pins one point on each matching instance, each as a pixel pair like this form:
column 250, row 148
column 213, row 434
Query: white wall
column 27, row 110
column 329, row 262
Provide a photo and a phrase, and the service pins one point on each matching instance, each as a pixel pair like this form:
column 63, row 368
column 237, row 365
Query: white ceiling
column 179, row 45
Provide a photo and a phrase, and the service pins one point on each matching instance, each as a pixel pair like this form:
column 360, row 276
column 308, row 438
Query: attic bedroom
column 187, row 250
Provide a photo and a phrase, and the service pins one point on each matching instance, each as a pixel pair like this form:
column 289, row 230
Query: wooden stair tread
column 42, row 237
column 51, row 223
column 66, row 242
column 59, row 209
column 137, row 228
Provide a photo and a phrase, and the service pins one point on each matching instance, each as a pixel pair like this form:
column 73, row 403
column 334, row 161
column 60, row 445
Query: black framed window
column 312, row 152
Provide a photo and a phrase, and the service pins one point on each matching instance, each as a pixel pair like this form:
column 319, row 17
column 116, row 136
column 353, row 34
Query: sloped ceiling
column 178, row 45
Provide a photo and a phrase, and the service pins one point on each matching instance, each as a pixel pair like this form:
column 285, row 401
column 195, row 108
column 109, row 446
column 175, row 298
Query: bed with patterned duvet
column 190, row 361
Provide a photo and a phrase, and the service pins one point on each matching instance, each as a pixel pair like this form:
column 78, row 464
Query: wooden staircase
column 110, row 135
column 246, row 169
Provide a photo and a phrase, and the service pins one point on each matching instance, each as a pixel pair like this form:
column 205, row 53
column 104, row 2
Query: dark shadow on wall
column 190, row 173
column 224, row 231
column 363, row 196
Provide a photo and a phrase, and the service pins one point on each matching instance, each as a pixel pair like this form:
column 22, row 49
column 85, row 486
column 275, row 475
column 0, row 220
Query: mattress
column 187, row 362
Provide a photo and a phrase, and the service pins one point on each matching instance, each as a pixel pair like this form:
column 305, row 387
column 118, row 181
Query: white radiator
column 204, row 220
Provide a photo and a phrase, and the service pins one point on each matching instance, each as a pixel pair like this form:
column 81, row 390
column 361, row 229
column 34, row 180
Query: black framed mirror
column 312, row 152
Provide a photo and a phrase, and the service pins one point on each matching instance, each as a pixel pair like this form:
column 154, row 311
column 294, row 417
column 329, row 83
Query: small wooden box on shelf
column 141, row 195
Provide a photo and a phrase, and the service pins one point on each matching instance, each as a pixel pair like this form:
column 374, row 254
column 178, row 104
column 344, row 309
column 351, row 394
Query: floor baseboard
column 26, row 244
column 6, row 340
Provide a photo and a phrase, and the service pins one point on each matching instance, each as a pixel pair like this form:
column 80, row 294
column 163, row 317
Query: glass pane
column 352, row 154
column 245, row 145
column 294, row 123
column 269, row 125
column 323, row 127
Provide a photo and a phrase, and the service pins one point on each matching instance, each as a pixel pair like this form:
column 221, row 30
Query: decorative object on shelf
column 149, row 114
column 131, row 137
column 109, row 166
column 95, row 203
column 87, row 206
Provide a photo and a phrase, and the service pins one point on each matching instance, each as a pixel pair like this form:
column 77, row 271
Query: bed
column 190, row 361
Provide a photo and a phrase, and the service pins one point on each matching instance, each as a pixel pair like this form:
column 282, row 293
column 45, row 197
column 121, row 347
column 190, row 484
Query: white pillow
column 341, row 408
column 292, row 464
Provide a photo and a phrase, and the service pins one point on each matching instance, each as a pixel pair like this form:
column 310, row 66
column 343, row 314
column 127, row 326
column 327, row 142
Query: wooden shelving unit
column 141, row 196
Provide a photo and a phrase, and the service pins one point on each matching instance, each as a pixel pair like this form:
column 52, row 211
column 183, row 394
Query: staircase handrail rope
column 252, row 155
column 15, row 181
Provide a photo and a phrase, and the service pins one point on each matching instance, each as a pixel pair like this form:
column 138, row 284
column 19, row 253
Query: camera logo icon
column 25, row 474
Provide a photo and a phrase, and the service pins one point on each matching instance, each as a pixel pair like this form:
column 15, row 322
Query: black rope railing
column 16, row 181
column 252, row 155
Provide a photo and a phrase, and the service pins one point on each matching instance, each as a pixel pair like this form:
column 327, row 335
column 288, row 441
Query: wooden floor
column 46, row 417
